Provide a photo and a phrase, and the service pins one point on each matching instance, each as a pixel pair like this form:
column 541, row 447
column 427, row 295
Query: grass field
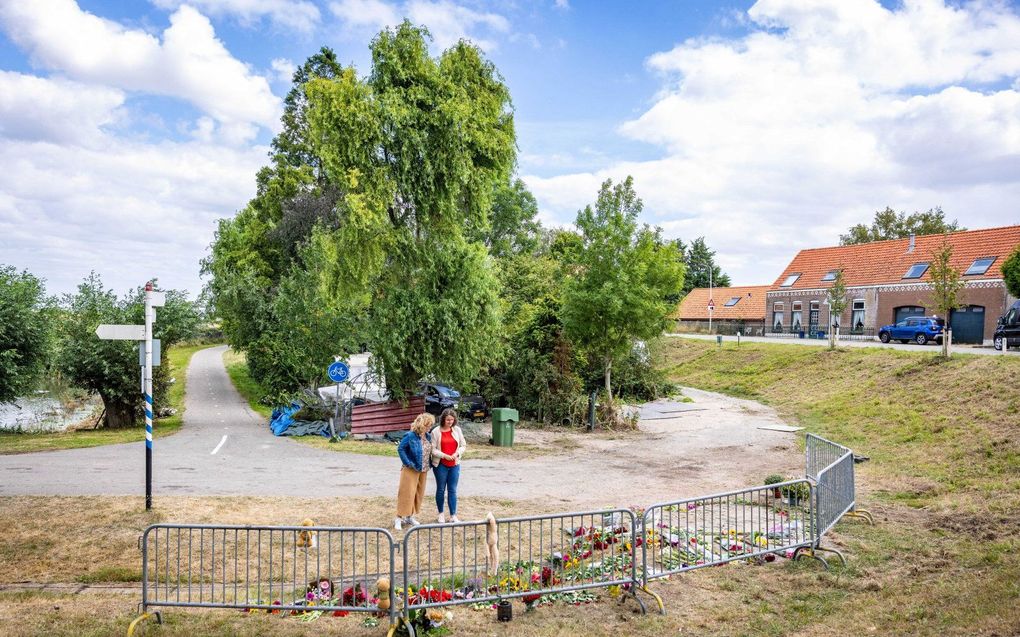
column 943, row 481
column 248, row 387
column 179, row 357
column 944, row 475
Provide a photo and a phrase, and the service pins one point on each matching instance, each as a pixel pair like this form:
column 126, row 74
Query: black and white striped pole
column 141, row 333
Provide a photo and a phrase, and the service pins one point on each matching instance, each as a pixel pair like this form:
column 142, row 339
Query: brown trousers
column 411, row 491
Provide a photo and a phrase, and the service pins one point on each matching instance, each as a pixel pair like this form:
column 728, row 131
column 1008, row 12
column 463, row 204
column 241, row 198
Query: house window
column 790, row 280
column 980, row 266
column 777, row 317
column 857, row 318
column 796, row 316
column 916, row 271
column 733, row 301
column 830, row 275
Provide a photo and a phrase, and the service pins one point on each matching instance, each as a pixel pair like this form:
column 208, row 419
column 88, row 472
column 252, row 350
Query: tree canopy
column 889, row 224
column 624, row 277
column 700, row 267
column 25, row 328
column 1011, row 272
column 110, row 368
column 378, row 206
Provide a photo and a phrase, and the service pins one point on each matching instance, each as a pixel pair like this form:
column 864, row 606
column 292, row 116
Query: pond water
column 40, row 413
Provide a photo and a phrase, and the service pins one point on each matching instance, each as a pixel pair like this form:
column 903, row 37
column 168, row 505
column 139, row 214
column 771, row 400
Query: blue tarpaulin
column 282, row 423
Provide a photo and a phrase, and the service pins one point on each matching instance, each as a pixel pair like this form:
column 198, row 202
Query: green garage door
column 969, row 324
column 907, row 311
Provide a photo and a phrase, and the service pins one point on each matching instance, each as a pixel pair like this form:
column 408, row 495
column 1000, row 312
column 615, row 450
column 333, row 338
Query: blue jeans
column 446, row 486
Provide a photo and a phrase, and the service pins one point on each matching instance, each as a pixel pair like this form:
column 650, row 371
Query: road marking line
column 222, row 440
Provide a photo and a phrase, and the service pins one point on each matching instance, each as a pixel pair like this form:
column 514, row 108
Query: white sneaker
column 411, row 521
column 398, row 525
column 454, row 519
column 441, row 519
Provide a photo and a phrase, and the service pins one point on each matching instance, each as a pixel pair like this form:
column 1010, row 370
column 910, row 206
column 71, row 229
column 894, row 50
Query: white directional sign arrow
column 121, row 332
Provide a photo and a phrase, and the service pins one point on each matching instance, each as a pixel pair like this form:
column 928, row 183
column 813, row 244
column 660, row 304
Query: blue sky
column 128, row 128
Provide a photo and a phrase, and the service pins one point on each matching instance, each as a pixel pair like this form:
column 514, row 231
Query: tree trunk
column 947, row 336
column 609, row 389
column 119, row 415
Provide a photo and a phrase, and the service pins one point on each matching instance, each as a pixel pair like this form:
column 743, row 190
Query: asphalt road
column 226, row 449
column 814, row 342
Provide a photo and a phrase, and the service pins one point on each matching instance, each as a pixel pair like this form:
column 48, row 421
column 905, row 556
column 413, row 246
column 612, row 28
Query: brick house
column 736, row 308
column 888, row 281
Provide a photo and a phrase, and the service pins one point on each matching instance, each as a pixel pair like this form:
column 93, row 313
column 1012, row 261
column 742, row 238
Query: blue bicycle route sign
column 338, row 372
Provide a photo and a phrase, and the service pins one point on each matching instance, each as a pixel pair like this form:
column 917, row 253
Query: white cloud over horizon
column 189, row 63
column 447, row 21
column 820, row 115
column 300, row 15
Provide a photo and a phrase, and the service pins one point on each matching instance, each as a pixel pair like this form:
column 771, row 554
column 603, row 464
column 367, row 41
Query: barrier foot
column 833, row 551
column 805, row 551
column 632, row 594
column 861, row 514
column 138, row 620
column 653, row 594
column 395, row 625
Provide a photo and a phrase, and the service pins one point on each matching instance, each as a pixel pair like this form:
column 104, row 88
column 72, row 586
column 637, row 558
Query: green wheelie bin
column 503, row 422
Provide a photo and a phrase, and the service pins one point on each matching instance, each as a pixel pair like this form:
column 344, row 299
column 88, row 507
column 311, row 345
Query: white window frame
column 854, row 313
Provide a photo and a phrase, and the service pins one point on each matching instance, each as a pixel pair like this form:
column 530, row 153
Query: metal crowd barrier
column 268, row 568
column 737, row 525
column 308, row 569
column 526, row 557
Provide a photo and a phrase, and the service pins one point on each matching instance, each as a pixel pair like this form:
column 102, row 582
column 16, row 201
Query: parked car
column 474, row 408
column 1007, row 332
column 920, row 329
column 438, row 397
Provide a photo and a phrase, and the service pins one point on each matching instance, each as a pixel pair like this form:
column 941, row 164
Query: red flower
column 579, row 532
column 341, row 613
column 547, row 575
column 532, row 598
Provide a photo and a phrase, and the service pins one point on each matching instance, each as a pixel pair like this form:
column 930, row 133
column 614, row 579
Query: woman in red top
column 448, row 447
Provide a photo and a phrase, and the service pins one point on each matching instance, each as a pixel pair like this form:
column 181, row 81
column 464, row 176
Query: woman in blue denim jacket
column 415, row 451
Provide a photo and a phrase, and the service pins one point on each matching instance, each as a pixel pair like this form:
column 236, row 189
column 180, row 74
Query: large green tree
column 25, row 328
column 889, row 224
column 701, row 269
column 624, row 276
column 110, row 368
column 378, row 206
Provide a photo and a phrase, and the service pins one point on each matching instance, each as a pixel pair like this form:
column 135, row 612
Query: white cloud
column 562, row 4
column 371, row 14
column 822, row 114
column 189, row 63
column 447, row 21
column 300, row 15
column 75, row 201
column 74, row 113
column 284, row 70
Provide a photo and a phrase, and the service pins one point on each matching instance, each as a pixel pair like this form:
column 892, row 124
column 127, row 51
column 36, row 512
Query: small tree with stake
column 835, row 297
column 946, row 286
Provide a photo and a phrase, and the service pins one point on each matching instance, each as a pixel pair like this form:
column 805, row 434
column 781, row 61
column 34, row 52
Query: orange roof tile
column 885, row 262
column 694, row 306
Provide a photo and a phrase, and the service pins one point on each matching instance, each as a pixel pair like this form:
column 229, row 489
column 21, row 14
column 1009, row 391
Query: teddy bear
column 307, row 539
column 382, row 591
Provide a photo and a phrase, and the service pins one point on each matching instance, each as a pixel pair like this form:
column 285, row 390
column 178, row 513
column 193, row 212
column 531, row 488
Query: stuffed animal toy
column 492, row 540
column 307, row 539
column 382, row 588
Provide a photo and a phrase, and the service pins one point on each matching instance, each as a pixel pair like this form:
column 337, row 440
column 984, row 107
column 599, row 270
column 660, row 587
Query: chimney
column 910, row 248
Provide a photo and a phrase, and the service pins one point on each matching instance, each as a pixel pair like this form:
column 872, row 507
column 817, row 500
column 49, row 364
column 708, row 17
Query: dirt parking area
column 680, row 450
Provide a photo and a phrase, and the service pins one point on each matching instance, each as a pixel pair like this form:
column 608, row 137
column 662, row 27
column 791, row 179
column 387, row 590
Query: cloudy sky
column 128, row 128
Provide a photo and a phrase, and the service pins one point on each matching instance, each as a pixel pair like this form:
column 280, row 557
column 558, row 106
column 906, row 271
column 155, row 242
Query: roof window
column 916, row 271
column 733, row 301
column 980, row 266
column 830, row 275
column 790, row 280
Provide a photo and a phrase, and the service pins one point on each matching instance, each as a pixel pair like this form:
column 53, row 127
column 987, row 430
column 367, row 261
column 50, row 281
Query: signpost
column 338, row 372
column 711, row 308
column 141, row 333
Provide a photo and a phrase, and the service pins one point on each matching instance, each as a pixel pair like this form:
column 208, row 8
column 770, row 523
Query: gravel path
column 681, row 450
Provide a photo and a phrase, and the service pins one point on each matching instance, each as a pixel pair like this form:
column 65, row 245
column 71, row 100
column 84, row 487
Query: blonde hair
column 423, row 423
